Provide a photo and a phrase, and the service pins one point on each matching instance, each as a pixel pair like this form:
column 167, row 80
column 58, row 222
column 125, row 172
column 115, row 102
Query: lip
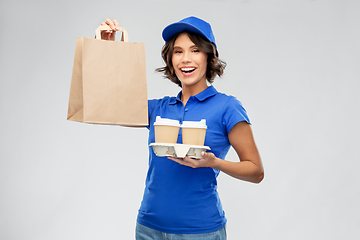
column 187, row 74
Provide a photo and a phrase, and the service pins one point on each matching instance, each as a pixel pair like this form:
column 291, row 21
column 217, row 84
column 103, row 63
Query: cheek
column 205, row 59
column 174, row 69
column 172, row 64
column 174, row 60
column 204, row 63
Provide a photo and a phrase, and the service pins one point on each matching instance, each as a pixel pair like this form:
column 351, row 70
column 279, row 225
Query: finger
column 194, row 163
column 104, row 24
column 180, row 161
column 175, row 159
column 110, row 23
column 107, row 21
column 191, row 161
column 187, row 159
column 105, row 31
column 105, row 35
column 116, row 23
column 206, row 154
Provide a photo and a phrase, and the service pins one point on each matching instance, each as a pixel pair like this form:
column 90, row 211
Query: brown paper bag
column 108, row 84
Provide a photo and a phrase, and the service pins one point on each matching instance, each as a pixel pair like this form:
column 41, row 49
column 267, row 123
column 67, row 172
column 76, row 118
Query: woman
column 180, row 198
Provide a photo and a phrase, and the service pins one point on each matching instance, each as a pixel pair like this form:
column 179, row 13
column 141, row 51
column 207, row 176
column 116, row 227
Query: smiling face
column 189, row 63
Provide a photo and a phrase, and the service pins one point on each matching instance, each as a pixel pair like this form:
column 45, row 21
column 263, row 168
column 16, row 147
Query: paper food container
column 178, row 150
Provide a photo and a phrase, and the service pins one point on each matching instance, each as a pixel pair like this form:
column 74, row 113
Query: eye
column 177, row 51
column 196, row 50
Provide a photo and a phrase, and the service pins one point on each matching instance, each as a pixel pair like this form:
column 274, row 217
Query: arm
column 249, row 168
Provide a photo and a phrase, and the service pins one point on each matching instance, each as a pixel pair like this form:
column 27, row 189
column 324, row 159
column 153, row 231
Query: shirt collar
column 208, row 92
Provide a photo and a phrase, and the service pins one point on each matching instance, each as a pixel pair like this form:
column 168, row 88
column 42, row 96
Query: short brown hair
column 214, row 65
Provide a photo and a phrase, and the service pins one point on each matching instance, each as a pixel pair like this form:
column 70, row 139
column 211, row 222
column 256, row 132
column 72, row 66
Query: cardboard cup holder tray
column 178, row 150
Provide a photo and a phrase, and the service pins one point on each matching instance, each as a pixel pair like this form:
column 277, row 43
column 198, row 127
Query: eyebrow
column 193, row 46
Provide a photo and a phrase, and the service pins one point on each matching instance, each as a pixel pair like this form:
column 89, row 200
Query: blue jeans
column 145, row 233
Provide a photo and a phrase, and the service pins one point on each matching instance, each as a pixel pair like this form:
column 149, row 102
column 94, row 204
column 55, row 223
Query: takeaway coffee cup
column 193, row 132
column 166, row 130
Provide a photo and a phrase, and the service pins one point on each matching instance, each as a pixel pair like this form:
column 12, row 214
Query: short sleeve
column 234, row 112
column 151, row 106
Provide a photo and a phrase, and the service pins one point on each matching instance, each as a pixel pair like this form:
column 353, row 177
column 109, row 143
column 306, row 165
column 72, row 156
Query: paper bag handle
column 124, row 36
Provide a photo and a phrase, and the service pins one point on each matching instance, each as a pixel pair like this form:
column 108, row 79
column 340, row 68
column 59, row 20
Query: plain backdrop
column 294, row 64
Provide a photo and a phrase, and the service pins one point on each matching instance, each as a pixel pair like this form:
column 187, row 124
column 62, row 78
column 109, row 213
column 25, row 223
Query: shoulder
column 161, row 101
column 232, row 109
column 227, row 100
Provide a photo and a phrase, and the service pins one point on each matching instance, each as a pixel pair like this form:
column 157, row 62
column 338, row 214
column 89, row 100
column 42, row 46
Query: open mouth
column 187, row 70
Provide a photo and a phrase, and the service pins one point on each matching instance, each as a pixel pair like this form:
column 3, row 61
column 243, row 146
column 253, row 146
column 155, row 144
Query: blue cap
column 191, row 24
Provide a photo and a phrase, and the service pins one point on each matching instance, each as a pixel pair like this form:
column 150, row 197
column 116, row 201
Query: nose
column 186, row 57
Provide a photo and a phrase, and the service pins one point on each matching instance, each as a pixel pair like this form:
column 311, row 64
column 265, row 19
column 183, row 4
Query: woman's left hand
column 208, row 159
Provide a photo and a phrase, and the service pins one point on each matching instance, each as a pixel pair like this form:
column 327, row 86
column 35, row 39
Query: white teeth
column 187, row 69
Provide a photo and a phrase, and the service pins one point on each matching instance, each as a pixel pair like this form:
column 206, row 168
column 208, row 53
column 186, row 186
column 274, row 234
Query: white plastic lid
column 166, row 121
column 194, row 124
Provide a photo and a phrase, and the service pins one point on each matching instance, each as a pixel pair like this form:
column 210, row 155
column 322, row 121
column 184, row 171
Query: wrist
column 217, row 163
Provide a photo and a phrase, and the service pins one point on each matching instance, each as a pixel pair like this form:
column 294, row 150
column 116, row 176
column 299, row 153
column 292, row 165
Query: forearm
column 244, row 170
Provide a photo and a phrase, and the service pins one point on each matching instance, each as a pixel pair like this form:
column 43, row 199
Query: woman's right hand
column 110, row 34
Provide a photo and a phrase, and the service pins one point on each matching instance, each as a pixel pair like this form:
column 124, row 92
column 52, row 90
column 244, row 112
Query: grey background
column 293, row 63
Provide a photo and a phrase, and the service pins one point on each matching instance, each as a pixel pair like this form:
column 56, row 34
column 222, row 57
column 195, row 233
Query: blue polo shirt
column 181, row 199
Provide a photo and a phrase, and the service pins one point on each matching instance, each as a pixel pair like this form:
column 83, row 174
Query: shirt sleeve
column 234, row 112
column 151, row 106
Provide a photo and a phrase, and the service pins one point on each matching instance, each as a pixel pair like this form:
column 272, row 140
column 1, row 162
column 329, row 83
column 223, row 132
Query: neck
column 188, row 91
